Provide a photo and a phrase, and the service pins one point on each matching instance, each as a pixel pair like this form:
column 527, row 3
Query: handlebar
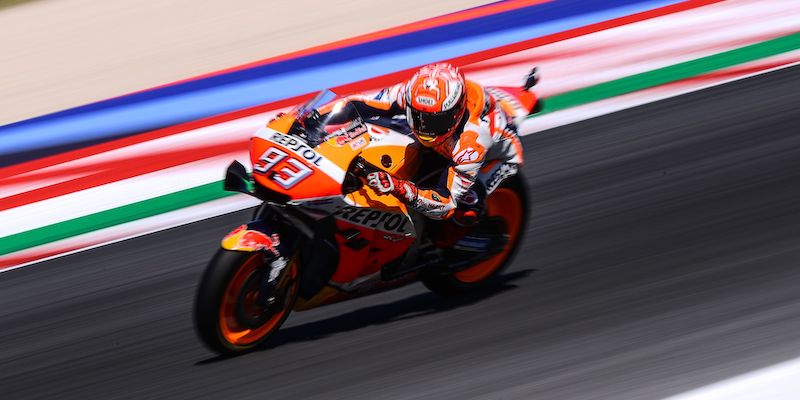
column 358, row 170
column 362, row 168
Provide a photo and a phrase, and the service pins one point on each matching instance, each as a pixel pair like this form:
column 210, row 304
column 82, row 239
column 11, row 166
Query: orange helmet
column 435, row 100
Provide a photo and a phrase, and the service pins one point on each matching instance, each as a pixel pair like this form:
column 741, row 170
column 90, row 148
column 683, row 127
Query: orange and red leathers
column 486, row 134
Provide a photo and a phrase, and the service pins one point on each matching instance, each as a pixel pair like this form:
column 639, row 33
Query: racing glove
column 383, row 183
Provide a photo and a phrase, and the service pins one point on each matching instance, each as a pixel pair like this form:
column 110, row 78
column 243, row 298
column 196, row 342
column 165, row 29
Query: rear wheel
column 230, row 313
column 508, row 203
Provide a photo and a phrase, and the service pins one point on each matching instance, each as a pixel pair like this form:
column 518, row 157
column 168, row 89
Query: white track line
column 777, row 382
column 116, row 194
column 130, row 230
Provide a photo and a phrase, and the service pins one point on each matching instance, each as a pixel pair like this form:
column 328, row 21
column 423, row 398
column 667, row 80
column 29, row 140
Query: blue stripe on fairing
column 215, row 95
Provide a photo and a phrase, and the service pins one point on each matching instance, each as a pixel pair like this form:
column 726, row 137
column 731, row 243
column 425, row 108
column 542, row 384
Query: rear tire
column 510, row 202
column 227, row 316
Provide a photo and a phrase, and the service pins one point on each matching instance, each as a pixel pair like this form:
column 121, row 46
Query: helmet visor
column 431, row 125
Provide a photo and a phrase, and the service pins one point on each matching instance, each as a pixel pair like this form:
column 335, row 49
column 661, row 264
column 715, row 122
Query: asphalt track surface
column 662, row 256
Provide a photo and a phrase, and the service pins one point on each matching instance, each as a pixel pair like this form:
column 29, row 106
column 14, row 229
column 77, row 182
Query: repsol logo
column 381, row 220
column 297, row 146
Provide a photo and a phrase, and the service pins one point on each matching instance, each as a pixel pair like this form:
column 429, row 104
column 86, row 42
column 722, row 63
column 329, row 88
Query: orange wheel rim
column 506, row 204
column 230, row 327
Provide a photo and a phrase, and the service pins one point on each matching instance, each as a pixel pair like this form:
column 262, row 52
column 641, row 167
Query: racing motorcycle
column 322, row 236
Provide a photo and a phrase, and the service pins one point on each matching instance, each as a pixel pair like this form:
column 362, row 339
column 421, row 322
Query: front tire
column 509, row 202
column 227, row 315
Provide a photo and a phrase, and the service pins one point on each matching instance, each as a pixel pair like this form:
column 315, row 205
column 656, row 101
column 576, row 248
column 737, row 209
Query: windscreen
column 321, row 119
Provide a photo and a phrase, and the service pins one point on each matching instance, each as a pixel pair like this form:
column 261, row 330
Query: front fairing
column 307, row 152
column 309, row 171
column 363, row 206
column 287, row 165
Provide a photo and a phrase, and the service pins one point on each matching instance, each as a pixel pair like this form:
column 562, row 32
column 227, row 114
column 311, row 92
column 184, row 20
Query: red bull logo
column 243, row 239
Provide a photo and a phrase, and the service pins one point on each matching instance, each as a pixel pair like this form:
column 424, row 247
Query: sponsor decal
column 470, row 150
column 304, row 152
column 249, row 240
column 297, row 146
column 393, row 239
column 268, row 159
column 289, row 174
column 354, row 130
column 450, row 101
column 428, row 206
column 358, row 143
column 466, row 156
column 375, row 219
column 425, row 101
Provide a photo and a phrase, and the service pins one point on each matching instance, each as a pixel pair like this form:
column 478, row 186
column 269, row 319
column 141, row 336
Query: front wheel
column 230, row 313
column 509, row 203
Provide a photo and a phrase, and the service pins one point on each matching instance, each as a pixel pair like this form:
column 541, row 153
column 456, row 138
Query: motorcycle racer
column 472, row 126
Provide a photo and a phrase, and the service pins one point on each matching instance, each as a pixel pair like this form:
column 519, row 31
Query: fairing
column 246, row 239
column 306, row 156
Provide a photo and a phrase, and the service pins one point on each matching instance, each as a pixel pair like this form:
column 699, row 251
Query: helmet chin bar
column 438, row 139
column 446, row 122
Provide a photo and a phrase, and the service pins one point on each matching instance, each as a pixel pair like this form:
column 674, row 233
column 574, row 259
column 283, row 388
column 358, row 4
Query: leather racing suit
column 485, row 148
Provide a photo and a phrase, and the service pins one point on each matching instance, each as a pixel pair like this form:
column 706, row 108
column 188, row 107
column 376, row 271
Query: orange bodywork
column 278, row 157
column 287, row 165
column 380, row 223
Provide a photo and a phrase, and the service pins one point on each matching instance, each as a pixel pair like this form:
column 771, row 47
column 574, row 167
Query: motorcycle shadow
column 411, row 307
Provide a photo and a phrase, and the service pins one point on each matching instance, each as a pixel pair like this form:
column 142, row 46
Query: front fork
column 256, row 236
column 267, row 293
